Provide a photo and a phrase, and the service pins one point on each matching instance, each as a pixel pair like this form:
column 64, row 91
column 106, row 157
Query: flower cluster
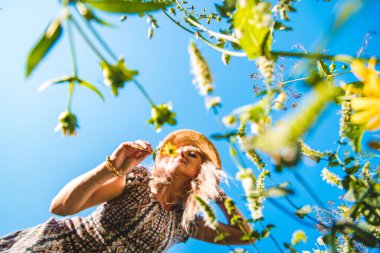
column 202, row 77
column 253, row 190
column 115, row 75
column 162, row 114
column 208, row 212
column 331, row 178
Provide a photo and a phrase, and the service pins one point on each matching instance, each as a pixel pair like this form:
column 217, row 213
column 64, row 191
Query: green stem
column 273, row 239
column 308, row 188
column 101, row 41
column 357, row 205
column 236, row 54
column 141, row 88
column 212, row 33
column 74, row 62
column 89, row 43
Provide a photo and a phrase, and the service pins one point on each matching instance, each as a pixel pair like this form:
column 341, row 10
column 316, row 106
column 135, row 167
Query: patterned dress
column 133, row 222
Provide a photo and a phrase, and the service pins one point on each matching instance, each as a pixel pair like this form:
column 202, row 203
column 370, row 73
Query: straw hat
column 190, row 137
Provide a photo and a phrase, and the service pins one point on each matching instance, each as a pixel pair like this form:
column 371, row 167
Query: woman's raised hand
column 129, row 154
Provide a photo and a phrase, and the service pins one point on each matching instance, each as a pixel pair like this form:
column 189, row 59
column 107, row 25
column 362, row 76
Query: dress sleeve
column 182, row 235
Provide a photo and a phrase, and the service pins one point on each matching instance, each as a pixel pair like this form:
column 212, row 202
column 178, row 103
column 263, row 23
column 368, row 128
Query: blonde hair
column 204, row 185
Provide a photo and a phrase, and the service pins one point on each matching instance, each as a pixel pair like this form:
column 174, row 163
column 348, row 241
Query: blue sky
column 36, row 162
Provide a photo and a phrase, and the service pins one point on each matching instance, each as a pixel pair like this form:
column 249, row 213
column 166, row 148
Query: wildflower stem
column 215, row 34
column 143, row 91
column 338, row 150
column 272, row 238
column 290, row 214
column 236, row 54
column 84, row 36
column 307, row 188
column 319, row 56
column 101, row 41
column 304, row 78
column 232, row 144
column 75, row 68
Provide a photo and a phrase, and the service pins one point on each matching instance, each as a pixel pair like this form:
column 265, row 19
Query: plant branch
column 89, row 43
column 74, row 62
column 143, row 91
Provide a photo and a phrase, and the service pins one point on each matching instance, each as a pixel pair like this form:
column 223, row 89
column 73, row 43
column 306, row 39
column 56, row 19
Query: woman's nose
column 181, row 153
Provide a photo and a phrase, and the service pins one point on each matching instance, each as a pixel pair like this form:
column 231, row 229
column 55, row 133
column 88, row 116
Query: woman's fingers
column 146, row 145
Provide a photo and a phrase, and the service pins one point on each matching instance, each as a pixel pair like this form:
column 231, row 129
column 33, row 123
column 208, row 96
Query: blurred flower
column 367, row 106
column 320, row 241
column 169, row 150
column 116, row 75
column 67, row 123
column 201, row 71
column 331, row 178
column 298, row 236
column 229, row 121
column 279, row 101
column 162, row 114
column 212, row 102
column 209, row 215
column 252, row 192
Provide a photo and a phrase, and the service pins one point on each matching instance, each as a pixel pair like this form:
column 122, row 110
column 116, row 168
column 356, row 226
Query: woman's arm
column 87, row 190
column 235, row 232
column 99, row 184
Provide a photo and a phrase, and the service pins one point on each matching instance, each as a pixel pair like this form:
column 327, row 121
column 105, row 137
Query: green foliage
column 251, row 27
column 45, row 43
column 116, row 75
column 162, row 114
column 303, row 211
column 252, row 21
column 280, row 141
column 129, row 6
column 70, row 79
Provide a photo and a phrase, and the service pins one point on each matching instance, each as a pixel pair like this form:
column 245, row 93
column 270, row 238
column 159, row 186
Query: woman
column 139, row 211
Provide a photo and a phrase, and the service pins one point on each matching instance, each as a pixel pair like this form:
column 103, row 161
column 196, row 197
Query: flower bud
column 67, row 123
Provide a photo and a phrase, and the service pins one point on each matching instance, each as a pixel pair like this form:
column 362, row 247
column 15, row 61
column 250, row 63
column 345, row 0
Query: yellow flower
column 169, row 149
column 367, row 106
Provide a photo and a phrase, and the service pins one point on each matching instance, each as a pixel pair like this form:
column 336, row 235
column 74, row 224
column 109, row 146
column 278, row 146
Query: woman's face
column 186, row 163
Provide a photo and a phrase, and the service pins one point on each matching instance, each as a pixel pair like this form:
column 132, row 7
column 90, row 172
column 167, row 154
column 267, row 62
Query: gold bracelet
column 112, row 168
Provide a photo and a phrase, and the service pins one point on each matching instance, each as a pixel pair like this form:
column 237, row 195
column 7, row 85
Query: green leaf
column 252, row 22
column 354, row 133
column 43, row 46
column 62, row 79
column 281, row 27
column 277, row 192
column 89, row 15
column 220, row 136
column 360, row 232
column 303, row 211
column 289, row 247
column 127, row 6
column 266, row 232
column 227, row 8
column 323, row 69
column 221, row 236
column 91, row 87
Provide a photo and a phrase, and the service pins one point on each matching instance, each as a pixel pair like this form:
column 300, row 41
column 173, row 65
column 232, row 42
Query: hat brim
column 185, row 137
